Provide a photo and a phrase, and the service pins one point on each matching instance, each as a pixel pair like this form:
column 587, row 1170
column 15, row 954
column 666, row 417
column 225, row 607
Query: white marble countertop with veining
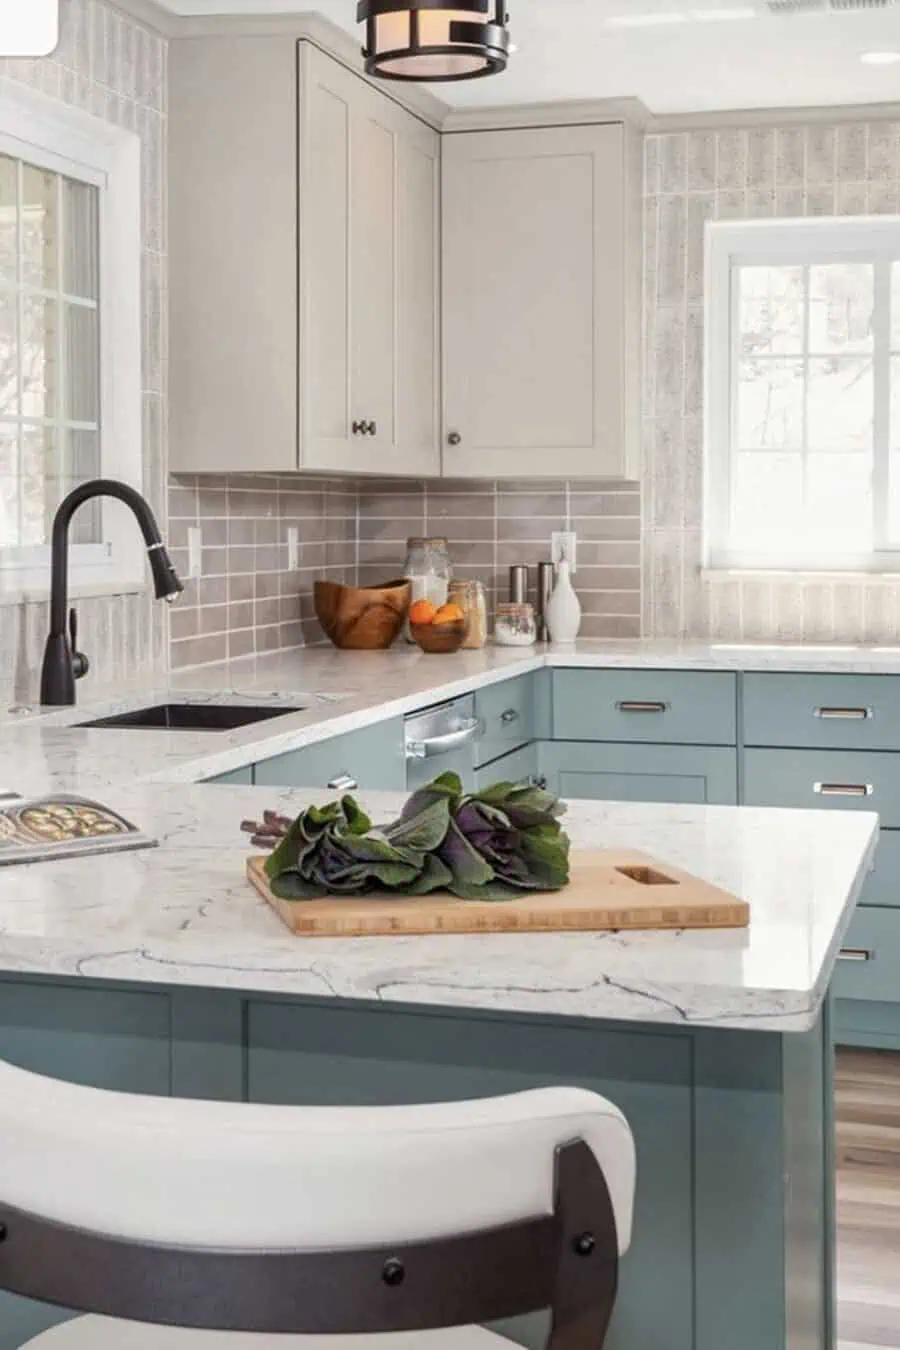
column 184, row 914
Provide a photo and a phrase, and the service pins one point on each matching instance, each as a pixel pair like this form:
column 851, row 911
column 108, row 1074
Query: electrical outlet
column 195, row 551
column 293, row 543
column 563, row 544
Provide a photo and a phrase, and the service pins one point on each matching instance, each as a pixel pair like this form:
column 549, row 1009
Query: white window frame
column 65, row 140
column 731, row 244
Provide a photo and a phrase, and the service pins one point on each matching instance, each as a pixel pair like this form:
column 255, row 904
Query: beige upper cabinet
column 541, row 302
column 305, row 266
column 369, row 267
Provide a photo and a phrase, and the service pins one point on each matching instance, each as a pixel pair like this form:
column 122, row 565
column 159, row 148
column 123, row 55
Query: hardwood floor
column 868, row 1187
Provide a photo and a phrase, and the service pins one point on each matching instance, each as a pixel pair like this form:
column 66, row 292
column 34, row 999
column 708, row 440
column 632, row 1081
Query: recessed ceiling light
column 880, row 58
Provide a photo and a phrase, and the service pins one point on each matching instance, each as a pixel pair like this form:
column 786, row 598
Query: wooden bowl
column 439, row 638
column 362, row 618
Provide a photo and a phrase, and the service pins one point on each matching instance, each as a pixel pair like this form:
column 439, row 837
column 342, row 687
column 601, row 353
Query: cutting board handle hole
column 647, row 876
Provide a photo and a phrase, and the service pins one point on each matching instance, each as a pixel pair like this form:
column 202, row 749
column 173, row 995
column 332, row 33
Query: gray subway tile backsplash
column 356, row 533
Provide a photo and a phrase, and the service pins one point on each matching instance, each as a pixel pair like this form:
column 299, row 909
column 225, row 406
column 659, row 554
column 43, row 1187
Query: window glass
column 49, row 351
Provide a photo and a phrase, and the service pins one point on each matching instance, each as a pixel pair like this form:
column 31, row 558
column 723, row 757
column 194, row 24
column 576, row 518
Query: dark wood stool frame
column 566, row 1261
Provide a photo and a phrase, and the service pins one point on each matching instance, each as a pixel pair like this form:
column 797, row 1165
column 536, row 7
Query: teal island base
column 733, row 1239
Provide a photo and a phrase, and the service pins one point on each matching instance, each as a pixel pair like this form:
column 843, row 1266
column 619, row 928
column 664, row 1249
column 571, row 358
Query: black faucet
column 63, row 664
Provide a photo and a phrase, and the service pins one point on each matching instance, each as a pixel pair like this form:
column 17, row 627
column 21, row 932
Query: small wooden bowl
column 362, row 618
column 440, row 639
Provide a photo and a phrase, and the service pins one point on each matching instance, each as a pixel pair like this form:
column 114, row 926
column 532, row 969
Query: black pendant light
column 434, row 40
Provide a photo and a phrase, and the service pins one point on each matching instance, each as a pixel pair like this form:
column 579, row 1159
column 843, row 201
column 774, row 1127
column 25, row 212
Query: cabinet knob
column 359, row 428
column 454, row 438
column 371, row 429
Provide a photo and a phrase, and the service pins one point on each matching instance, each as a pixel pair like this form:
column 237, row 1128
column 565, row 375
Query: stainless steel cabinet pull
column 441, row 745
column 855, row 954
column 511, row 715
column 345, row 782
column 843, row 789
column 844, row 714
column 635, row 706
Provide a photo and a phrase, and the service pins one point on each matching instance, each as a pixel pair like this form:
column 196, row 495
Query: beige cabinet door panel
column 533, row 304
column 368, row 193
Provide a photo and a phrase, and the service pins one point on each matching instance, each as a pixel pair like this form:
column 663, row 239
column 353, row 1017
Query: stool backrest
column 315, row 1219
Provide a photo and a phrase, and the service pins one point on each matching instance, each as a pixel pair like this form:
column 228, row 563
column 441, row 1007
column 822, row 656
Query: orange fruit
column 423, row 611
column 449, row 614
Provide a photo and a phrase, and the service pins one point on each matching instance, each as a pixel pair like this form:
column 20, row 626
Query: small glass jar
column 428, row 569
column 515, row 626
column 469, row 595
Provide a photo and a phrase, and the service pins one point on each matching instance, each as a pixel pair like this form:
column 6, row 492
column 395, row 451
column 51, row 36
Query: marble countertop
column 340, row 692
column 183, row 914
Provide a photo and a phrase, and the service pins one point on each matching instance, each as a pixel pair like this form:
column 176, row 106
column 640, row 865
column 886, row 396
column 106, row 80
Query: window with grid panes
column 70, row 339
column 802, row 436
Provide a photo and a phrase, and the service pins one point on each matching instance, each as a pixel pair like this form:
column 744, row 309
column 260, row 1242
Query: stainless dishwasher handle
column 344, row 782
column 843, row 789
column 855, row 954
column 637, row 706
column 844, row 714
column 442, row 745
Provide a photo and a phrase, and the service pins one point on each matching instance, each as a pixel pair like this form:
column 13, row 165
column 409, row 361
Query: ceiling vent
column 789, row 7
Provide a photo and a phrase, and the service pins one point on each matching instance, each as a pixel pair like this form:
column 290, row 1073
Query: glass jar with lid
column 427, row 568
column 469, row 595
column 515, row 626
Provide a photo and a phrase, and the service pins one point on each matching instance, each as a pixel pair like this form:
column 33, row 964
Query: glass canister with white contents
column 428, row 570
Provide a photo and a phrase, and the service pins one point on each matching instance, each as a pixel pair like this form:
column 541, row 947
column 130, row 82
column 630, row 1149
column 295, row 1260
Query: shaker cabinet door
column 540, row 290
column 368, row 277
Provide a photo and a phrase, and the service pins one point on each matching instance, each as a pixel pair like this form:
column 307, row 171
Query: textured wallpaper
column 115, row 69
column 691, row 177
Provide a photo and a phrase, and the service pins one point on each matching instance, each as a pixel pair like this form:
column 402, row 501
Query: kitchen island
column 161, row 971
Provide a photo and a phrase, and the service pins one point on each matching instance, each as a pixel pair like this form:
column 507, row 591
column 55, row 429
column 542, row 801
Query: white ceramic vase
column 563, row 607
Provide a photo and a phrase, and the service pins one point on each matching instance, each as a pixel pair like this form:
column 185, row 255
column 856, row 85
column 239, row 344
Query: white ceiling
column 567, row 49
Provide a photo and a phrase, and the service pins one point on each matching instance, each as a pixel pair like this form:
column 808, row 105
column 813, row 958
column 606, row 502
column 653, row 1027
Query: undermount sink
column 191, row 717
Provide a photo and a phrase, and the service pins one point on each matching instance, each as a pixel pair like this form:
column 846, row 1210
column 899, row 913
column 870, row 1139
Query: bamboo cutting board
column 607, row 890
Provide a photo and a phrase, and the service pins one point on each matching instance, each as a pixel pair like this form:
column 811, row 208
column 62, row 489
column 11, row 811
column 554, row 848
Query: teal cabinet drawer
column 658, row 706
column 840, row 712
column 373, row 758
column 883, row 885
column 868, row 966
column 640, row 773
column 841, row 780
column 516, row 767
column 240, row 777
column 507, row 712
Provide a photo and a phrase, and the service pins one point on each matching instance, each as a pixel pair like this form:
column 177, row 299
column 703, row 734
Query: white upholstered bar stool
column 315, row 1228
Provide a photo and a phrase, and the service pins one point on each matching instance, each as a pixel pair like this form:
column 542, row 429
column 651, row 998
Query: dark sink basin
column 191, row 717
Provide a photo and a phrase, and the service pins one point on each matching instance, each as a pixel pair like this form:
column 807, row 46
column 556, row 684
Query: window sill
column 831, row 574
column 35, row 595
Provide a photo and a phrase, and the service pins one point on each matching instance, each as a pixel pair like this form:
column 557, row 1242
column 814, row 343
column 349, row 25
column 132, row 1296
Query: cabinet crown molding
column 532, row 115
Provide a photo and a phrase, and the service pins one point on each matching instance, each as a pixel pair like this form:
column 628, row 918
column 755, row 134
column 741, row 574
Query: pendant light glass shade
column 433, row 41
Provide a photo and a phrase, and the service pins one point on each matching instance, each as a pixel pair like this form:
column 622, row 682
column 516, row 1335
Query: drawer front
column 373, row 758
column 641, row 773
column 659, row 706
column 841, row 780
column 516, row 767
column 882, row 889
column 869, row 964
column 507, row 711
column 840, row 712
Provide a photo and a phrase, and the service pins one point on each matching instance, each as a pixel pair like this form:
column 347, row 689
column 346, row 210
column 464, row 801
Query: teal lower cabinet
column 719, row 1119
column 372, row 758
column 838, row 780
column 640, row 773
column 101, row 1037
column 515, row 767
column 236, row 778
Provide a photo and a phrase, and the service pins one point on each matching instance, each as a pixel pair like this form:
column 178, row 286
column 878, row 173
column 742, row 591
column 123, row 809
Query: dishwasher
column 440, row 739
